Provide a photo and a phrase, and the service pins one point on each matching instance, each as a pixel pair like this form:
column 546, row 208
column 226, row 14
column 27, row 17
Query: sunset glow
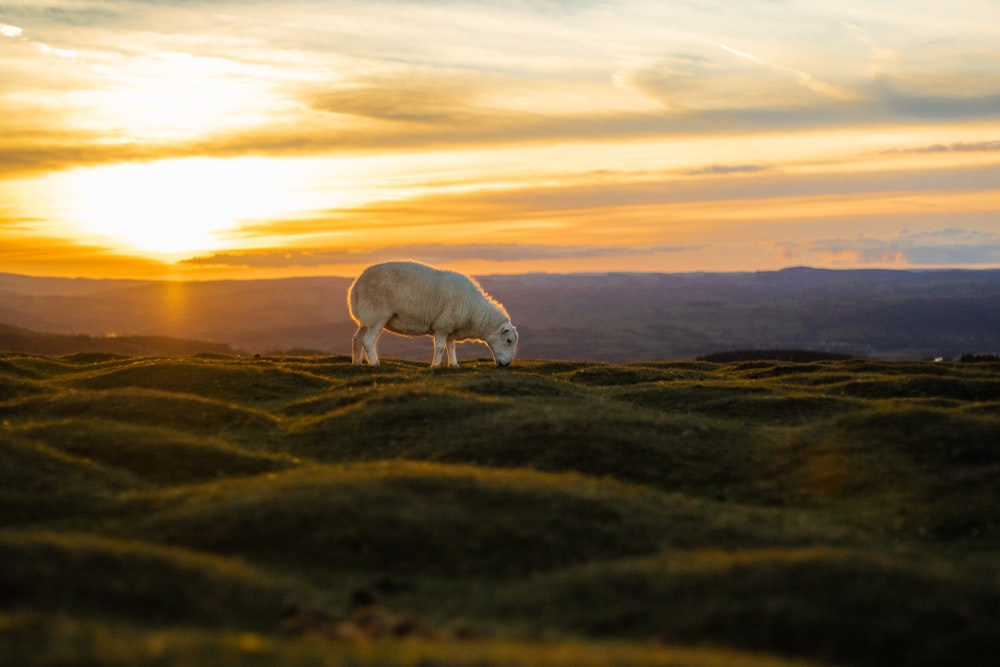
column 172, row 208
column 260, row 139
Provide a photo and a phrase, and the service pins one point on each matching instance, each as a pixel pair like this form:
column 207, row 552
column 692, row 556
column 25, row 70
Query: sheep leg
column 440, row 340
column 358, row 345
column 368, row 337
column 449, row 344
column 371, row 342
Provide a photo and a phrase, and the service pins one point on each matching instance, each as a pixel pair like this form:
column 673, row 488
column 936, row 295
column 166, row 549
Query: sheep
column 414, row 299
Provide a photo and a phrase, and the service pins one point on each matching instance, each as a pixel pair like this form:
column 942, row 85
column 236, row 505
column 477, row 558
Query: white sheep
column 414, row 299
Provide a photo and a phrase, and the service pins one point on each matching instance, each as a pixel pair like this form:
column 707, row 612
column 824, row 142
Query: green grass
column 234, row 511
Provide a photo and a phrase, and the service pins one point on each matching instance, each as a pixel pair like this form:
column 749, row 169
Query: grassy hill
column 17, row 339
column 228, row 510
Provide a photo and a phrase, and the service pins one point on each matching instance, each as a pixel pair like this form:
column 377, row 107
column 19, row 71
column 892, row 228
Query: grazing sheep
column 414, row 299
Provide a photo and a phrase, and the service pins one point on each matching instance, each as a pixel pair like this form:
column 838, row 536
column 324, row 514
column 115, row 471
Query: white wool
column 414, row 299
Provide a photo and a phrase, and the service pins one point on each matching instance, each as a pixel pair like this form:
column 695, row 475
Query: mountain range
column 614, row 317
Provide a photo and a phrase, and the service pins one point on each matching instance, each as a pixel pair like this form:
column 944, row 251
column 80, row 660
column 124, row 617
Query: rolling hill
column 224, row 510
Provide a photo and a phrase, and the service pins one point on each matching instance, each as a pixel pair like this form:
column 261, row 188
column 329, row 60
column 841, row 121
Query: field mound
column 302, row 510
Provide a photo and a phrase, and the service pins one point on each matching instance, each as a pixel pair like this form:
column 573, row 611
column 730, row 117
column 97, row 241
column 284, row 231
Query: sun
column 170, row 209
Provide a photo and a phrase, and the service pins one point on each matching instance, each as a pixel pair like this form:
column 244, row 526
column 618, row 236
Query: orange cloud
column 52, row 256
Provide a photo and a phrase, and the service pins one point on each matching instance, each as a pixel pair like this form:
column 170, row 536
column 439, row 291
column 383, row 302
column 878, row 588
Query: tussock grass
column 736, row 401
column 511, row 385
column 380, row 421
column 292, row 510
column 569, row 431
column 608, row 439
column 927, row 473
column 156, row 454
column 85, row 574
column 189, row 413
column 931, row 437
column 607, row 375
column 924, row 386
column 775, row 599
column 37, row 368
column 14, row 387
column 66, row 640
column 407, row 518
column 39, row 483
column 418, row 518
column 230, row 381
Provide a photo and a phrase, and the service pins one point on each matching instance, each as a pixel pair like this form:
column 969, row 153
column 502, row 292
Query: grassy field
column 222, row 510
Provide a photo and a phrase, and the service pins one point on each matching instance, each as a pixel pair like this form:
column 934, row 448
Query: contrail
column 743, row 54
column 803, row 78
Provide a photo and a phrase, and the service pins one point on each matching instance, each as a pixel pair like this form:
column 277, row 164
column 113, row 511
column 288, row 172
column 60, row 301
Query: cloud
column 879, row 57
column 959, row 147
column 424, row 127
column 722, row 170
column 953, row 246
column 415, row 109
column 7, row 30
column 672, row 81
column 33, row 152
column 434, row 253
column 339, row 90
column 862, row 250
column 968, row 97
column 29, row 253
column 655, row 202
column 944, row 247
column 955, row 255
column 21, row 225
column 418, row 95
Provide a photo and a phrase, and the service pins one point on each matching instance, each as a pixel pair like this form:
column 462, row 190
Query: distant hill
column 614, row 317
column 801, row 356
column 16, row 339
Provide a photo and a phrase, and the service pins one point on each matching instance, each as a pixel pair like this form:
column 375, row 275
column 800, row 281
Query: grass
column 304, row 511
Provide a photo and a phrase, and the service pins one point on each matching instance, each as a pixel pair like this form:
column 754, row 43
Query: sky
column 210, row 139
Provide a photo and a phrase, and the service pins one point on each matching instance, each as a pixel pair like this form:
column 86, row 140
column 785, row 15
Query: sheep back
column 413, row 299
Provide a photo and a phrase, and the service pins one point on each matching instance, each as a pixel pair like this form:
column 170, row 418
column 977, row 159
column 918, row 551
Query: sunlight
column 168, row 95
column 172, row 208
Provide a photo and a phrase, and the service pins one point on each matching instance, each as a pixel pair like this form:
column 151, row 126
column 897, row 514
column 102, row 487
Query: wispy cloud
column 13, row 31
column 908, row 100
column 952, row 247
column 724, row 170
column 413, row 95
column 957, row 147
column 803, row 78
column 436, row 253
column 943, row 247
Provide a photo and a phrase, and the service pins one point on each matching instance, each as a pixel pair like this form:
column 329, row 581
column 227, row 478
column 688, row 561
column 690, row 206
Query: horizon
column 554, row 274
column 609, row 317
column 232, row 139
